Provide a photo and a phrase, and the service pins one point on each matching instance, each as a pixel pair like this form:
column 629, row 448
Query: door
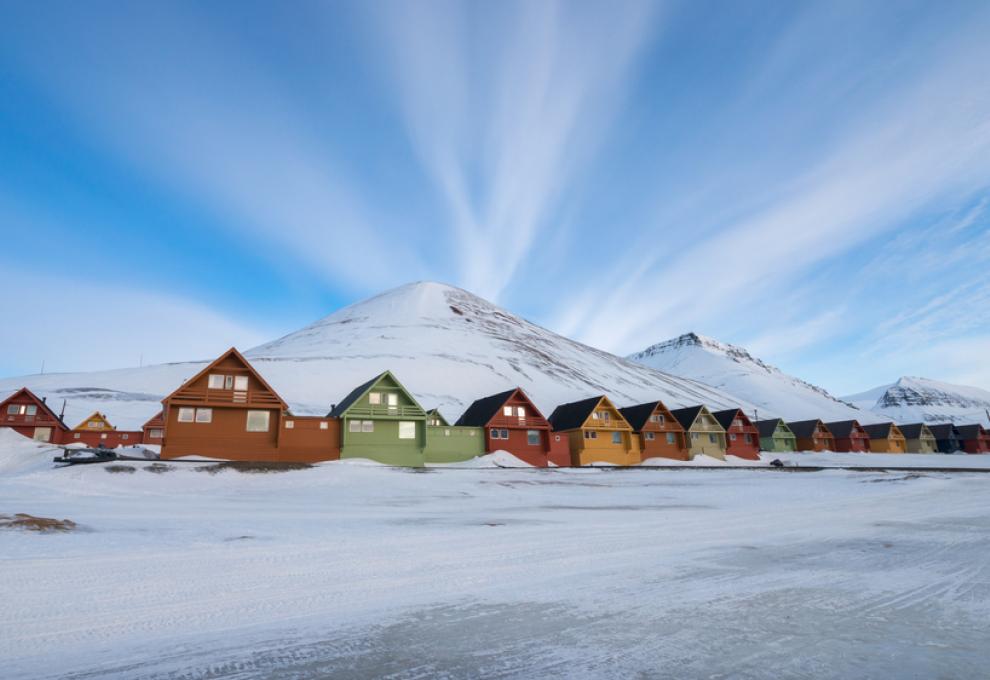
column 42, row 434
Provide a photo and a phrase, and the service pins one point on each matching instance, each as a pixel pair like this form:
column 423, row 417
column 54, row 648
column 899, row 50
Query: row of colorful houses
column 229, row 411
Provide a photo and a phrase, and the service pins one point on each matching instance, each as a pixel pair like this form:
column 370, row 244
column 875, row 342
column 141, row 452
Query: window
column 367, row 425
column 215, row 381
column 205, row 415
column 556, row 437
column 241, row 383
column 257, row 421
column 374, row 398
column 711, row 438
column 42, row 434
column 446, row 433
column 353, row 425
column 590, row 434
column 732, row 437
column 77, row 436
column 507, row 411
column 594, row 415
column 393, row 401
column 694, row 435
column 605, row 416
column 749, row 439
column 505, row 433
column 13, row 410
column 533, row 437
column 616, row 437
column 92, row 424
column 228, row 382
column 407, row 429
column 657, row 418
column 187, row 415
column 670, row 437
column 737, row 422
column 500, row 433
column 31, row 410
column 649, row 436
column 471, row 432
column 154, row 434
column 103, row 436
column 290, row 424
column 520, row 412
column 125, row 436
column 324, row 425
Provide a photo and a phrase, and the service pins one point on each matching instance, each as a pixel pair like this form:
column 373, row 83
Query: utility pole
column 42, row 367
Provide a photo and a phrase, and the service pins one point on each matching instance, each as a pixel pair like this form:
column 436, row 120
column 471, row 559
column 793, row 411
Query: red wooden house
column 974, row 438
column 850, row 437
column 512, row 423
column 742, row 436
column 660, row 434
column 96, row 430
column 30, row 416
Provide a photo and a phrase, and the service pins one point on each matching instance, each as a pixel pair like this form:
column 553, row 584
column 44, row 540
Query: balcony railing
column 514, row 421
column 609, row 424
column 385, row 412
column 235, row 397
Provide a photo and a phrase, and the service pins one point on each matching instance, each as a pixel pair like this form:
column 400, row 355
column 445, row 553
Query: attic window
column 520, row 412
column 507, row 411
column 374, row 398
column 13, row 410
column 241, row 383
column 31, row 409
column 215, row 381
column 92, row 424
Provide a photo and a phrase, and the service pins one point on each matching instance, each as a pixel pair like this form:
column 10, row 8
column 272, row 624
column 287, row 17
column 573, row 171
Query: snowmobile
column 73, row 456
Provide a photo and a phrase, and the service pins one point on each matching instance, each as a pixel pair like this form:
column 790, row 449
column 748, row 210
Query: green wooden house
column 775, row 436
column 381, row 421
column 446, row 443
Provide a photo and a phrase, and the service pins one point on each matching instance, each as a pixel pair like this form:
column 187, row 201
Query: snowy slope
column 921, row 399
column 446, row 345
column 734, row 370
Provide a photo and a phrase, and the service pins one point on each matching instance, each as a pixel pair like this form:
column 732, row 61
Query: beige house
column 918, row 438
column 704, row 434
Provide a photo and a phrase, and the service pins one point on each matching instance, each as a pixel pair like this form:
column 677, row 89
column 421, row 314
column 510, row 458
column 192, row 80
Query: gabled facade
column 660, row 434
column 435, row 419
column 775, row 436
column 946, row 437
column 229, row 411
column 96, row 430
column 918, row 438
column 381, row 421
column 704, row 434
column 973, row 438
column 812, row 435
column 154, row 429
column 596, row 432
column 743, row 437
column 30, row 416
column 850, row 437
column 96, row 422
column 511, row 422
column 885, row 438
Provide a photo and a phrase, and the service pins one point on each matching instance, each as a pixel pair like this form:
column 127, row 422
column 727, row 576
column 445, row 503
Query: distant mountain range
column 915, row 400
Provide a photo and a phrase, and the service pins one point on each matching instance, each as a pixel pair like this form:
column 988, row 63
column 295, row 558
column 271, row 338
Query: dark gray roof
column 482, row 410
column 969, row 431
column 803, row 428
column 637, row 416
column 841, row 428
column 572, row 416
column 944, row 431
column 686, row 416
column 726, row 417
column 354, row 395
column 878, row 430
column 912, row 431
column 768, row 427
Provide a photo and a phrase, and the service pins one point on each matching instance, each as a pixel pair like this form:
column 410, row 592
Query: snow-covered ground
column 346, row 570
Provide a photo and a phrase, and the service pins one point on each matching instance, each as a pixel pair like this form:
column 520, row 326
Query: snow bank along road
column 360, row 571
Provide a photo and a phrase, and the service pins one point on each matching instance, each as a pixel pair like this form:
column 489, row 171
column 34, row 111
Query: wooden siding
column 41, row 424
column 453, row 444
column 706, row 437
column 380, row 440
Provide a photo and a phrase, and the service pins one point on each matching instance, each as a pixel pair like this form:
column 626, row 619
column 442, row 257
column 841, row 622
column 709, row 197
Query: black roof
column 355, row 394
column 912, row 431
column 686, row 416
column 726, row 417
column 804, row 428
column 572, row 416
column 482, row 410
column 878, row 430
column 969, row 431
column 638, row 415
column 841, row 428
column 944, row 431
column 767, row 427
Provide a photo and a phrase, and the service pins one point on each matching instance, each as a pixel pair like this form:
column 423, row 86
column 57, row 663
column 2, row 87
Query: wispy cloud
column 503, row 124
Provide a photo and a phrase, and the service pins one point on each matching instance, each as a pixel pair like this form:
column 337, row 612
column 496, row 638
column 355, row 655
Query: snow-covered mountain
column 735, row 371
column 921, row 399
column 446, row 345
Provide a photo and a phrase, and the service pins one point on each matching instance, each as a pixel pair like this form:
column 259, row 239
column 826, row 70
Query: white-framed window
column 670, row 437
column 187, row 415
column 228, row 382
column 204, row 415
column 125, row 436
column 507, row 411
column 392, row 399
column 324, row 425
column 103, row 436
column 42, row 434
column 594, row 415
column 471, row 432
column 374, row 398
column 694, row 435
column 737, row 422
column 520, row 412
column 711, row 438
column 290, row 424
column 77, row 436
column 732, row 437
column 215, row 381
column 616, row 437
column 257, row 421
column 606, row 416
column 649, row 436
column 590, row 434
column 92, row 424
column 154, row 434
column 13, row 410
column 31, row 410
column 367, row 425
column 407, row 429
column 446, row 433
column 240, row 383
column 353, row 425
column 533, row 437
column 494, row 433
column 657, row 418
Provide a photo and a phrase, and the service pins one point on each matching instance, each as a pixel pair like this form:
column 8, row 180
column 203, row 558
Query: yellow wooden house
column 597, row 432
column 97, row 422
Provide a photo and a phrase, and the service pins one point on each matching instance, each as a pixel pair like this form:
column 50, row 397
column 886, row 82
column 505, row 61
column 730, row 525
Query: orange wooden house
column 660, row 434
column 596, row 432
column 96, row 430
column 812, row 435
column 154, row 429
column 26, row 414
column 229, row 411
column 512, row 423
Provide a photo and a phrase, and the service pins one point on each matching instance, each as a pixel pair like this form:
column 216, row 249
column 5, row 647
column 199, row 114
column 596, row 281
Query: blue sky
column 809, row 180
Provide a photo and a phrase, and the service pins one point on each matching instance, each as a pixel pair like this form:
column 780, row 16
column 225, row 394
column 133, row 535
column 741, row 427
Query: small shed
column 659, row 432
column 704, row 434
column 743, row 437
column 946, row 437
column 850, row 437
column 918, row 438
column 812, row 435
column 596, row 431
column 885, row 438
column 775, row 436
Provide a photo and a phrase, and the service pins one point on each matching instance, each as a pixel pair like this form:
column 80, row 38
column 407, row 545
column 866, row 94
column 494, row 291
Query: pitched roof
column 354, row 395
column 157, row 419
column 944, row 431
column 41, row 403
column 804, row 428
column 912, row 431
column 969, row 431
column 247, row 364
column 95, row 415
column 842, row 428
column 726, row 417
column 879, row 430
column 768, row 427
column 686, row 416
column 572, row 416
column 436, row 412
column 482, row 410
column 637, row 416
